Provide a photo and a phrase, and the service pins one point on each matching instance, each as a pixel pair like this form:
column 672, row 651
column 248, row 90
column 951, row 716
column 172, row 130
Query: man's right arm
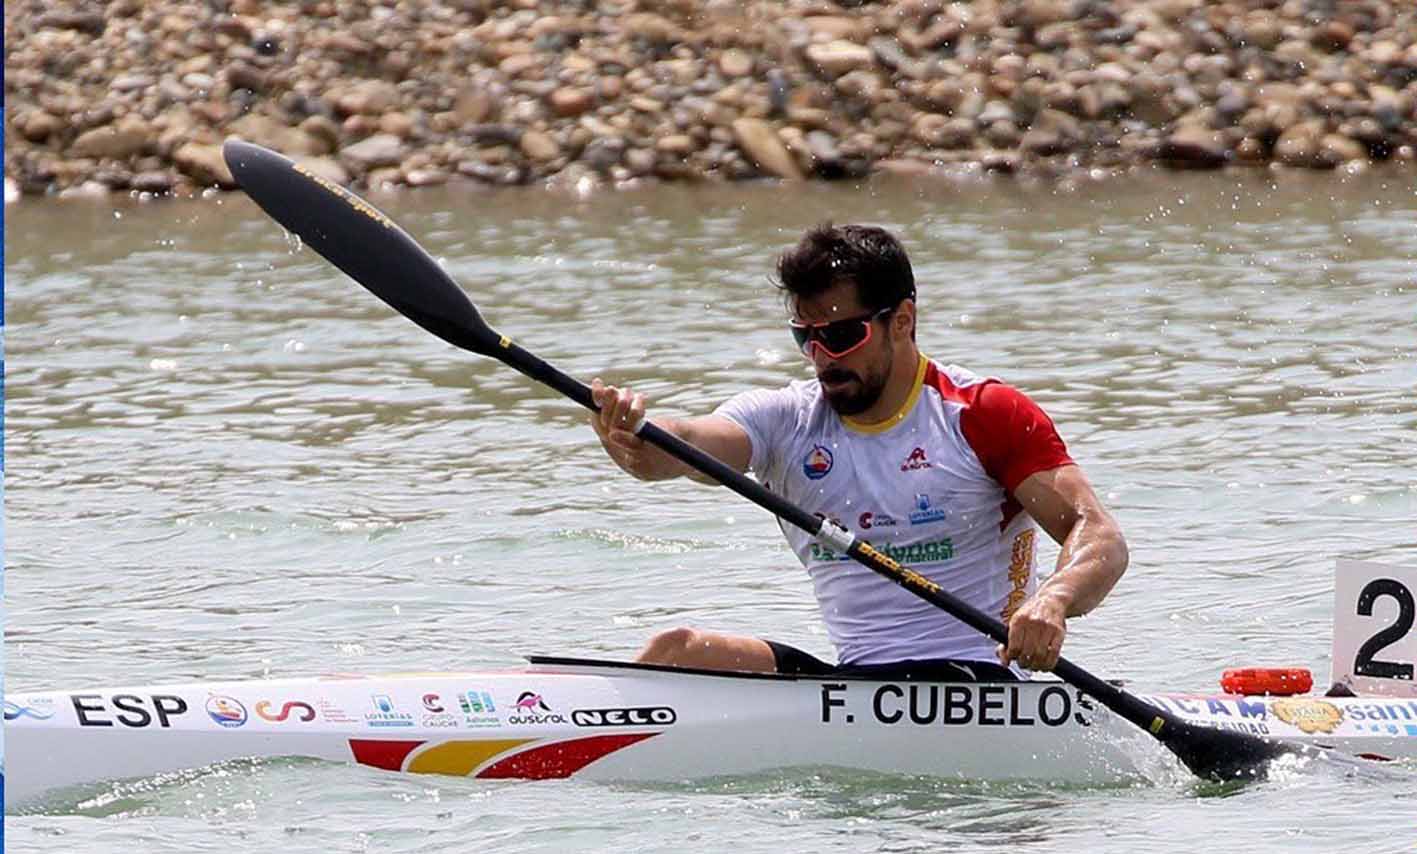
column 621, row 409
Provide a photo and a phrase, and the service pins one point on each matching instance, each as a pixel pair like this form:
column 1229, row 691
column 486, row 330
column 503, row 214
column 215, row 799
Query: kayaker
column 944, row 470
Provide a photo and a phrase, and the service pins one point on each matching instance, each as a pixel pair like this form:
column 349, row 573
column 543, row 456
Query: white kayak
column 598, row 720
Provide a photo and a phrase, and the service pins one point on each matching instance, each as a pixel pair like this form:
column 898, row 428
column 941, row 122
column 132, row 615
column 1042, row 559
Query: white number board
column 1374, row 645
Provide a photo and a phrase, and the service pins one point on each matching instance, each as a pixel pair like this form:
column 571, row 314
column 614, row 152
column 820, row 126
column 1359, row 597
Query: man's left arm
column 1092, row 559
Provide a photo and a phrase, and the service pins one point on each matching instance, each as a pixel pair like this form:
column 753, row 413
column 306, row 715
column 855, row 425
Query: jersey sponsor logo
column 925, row 512
column 868, row 520
column 818, row 462
column 932, row 551
column 915, row 461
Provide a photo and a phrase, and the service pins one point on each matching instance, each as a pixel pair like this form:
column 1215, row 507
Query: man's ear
column 904, row 318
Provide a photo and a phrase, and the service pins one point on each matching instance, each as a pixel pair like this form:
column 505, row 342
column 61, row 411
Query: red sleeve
column 1011, row 435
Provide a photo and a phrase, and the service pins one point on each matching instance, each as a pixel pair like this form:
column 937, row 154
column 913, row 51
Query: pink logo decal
column 530, row 702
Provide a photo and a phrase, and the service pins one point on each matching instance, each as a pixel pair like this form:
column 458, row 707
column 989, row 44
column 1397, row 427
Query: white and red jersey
column 931, row 487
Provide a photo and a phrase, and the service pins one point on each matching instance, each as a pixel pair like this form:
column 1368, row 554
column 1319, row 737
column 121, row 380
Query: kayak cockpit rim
column 556, row 662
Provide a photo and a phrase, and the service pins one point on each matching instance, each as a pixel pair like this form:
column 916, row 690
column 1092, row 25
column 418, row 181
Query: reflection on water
column 227, row 460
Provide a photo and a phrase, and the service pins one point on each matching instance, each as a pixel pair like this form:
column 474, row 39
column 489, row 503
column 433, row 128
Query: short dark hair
column 868, row 256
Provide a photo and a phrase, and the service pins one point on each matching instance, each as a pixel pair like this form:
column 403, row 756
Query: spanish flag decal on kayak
column 503, row 758
column 460, row 757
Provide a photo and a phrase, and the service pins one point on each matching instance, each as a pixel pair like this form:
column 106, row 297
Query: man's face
column 852, row 381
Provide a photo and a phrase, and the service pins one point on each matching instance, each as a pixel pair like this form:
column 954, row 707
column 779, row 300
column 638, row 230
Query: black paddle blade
column 354, row 236
column 1225, row 756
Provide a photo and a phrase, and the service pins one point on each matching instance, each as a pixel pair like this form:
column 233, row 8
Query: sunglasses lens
column 841, row 336
column 835, row 338
column 801, row 334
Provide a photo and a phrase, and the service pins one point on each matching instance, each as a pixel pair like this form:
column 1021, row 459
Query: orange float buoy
column 1276, row 681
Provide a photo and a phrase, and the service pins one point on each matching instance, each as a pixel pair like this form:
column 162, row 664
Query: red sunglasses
column 839, row 337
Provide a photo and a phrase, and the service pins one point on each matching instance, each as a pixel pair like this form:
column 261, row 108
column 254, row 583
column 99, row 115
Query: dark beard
column 854, row 401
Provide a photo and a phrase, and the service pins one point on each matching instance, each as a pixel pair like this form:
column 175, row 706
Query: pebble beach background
column 130, row 96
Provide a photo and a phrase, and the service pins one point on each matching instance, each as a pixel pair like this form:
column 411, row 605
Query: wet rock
column 640, row 162
column 384, row 179
column 495, row 134
column 1390, row 108
column 204, row 165
column 1003, row 134
column 324, row 131
column 425, row 177
column 1036, row 13
column 941, row 32
column 937, row 131
column 341, row 42
column 646, row 104
column 609, row 88
column 903, row 167
column 474, row 105
column 890, row 55
column 1332, row 35
column 1340, row 149
column 115, row 178
column 763, row 149
column 86, row 190
column 380, row 150
column 996, row 112
column 539, row 146
column 157, row 182
column 39, row 125
column 1193, row 148
column 840, row 57
column 1300, row 146
column 91, row 23
column 1044, row 142
column 233, row 28
column 652, row 29
column 1251, row 150
column 1005, row 162
column 678, row 145
column 267, row 131
column 132, row 82
column 491, row 173
column 825, row 153
column 837, row 27
column 243, row 76
column 603, row 154
column 734, row 63
column 398, row 124
column 199, row 81
column 367, row 97
column 571, row 101
column 116, row 142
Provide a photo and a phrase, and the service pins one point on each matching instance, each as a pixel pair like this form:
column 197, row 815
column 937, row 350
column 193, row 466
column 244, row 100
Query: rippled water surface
column 226, row 460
